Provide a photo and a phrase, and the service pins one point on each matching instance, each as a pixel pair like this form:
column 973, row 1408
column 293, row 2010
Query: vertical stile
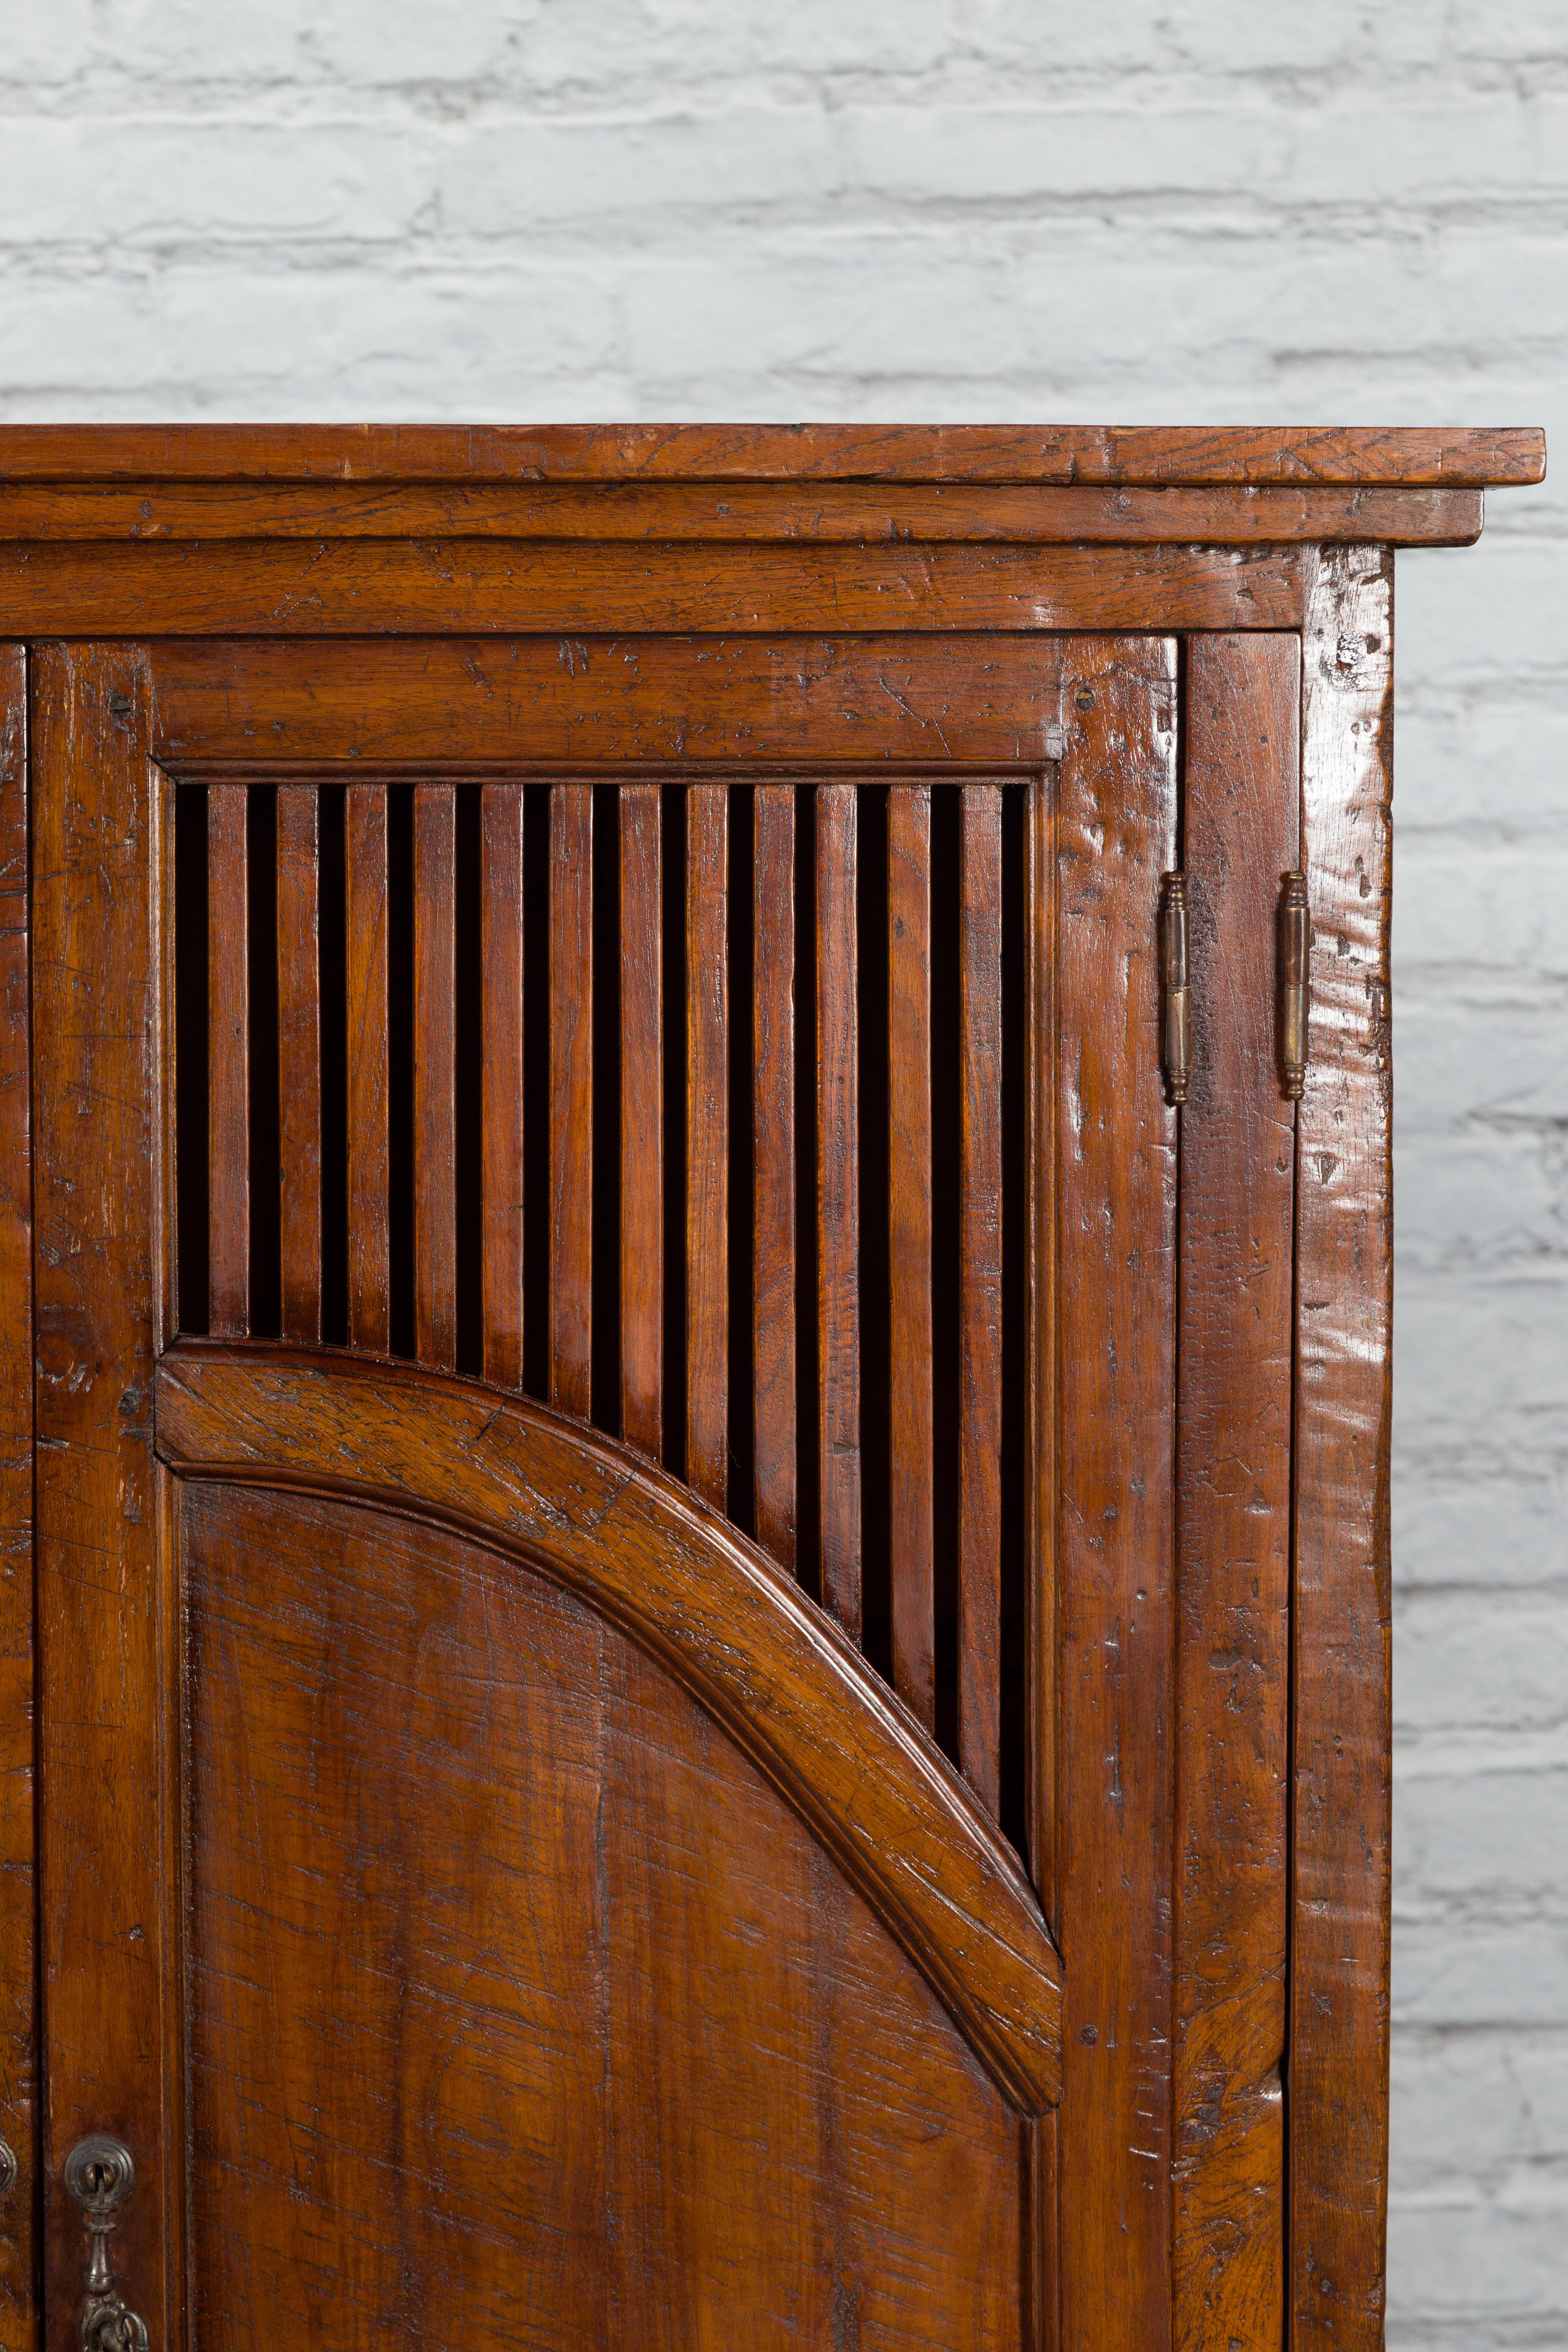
column 229, row 1062
column 501, row 1082
column 773, row 1156
column 837, row 1206
column 707, row 1141
column 979, row 1293
column 571, row 1098
column 911, row 1404
column 369, row 1150
column 642, row 1119
column 299, row 1060
column 435, row 1075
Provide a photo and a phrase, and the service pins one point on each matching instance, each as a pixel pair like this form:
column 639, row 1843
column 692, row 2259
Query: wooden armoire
column 694, row 1217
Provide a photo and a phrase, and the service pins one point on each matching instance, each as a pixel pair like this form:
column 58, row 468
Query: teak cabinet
column 694, row 1384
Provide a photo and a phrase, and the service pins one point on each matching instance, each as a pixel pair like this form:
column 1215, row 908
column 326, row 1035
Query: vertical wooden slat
column 299, row 1060
column 19, row 2321
column 642, row 1119
column 980, row 1294
column 434, row 1078
column 501, row 1082
column 910, row 1497
column 228, row 1063
column 837, row 1206
column 572, row 1098
column 708, row 1142
column 369, row 1147
column 773, row 1252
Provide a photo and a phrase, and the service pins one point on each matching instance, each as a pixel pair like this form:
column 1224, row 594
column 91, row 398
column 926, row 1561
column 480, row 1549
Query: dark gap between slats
column 876, row 1264
column 672, row 854
column 266, row 1166
column 536, row 1090
column 947, row 1112
column 741, row 945
column 1014, row 1465
column 468, row 1063
column 333, row 886
column 192, row 1312
column 808, row 1501
column 400, row 1061
column 606, row 1231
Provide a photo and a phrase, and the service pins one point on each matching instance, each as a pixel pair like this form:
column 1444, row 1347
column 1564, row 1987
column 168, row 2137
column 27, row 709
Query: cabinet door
column 610, row 1511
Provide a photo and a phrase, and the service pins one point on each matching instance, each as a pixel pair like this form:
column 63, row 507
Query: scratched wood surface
column 1341, row 1797
column 1240, row 833
column 19, row 1832
column 592, row 2026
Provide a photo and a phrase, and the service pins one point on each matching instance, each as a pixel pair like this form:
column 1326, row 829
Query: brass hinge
column 1178, row 1003
column 1294, row 943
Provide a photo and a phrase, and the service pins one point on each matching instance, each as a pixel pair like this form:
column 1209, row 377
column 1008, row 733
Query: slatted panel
column 804, row 1204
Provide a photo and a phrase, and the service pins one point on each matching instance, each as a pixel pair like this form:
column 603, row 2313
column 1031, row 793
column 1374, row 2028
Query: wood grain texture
column 435, row 1076
column 642, row 1119
column 980, row 1294
column 501, row 1110
column 228, row 1066
column 1232, row 516
column 765, row 1661
column 110, row 1909
column 586, row 2103
column 369, row 1112
column 911, row 1529
column 838, row 1207
column 1341, row 1796
column 1117, row 1356
column 19, row 2248
column 1240, row 833
column 852, row 704
column 287, row 588
column 299, row 1059
column 923, row 452
column 708, row 1142
column 774, row 1240
column 572, row 1098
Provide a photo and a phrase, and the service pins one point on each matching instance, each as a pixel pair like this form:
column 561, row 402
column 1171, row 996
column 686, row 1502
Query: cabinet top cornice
column 1133, row 456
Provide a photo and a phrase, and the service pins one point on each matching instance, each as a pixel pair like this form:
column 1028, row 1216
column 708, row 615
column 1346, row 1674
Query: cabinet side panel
column 1338, row 2067
column 18, row 2075
column 1116, row 1352
column 1233, row 1504
column 108, row 1922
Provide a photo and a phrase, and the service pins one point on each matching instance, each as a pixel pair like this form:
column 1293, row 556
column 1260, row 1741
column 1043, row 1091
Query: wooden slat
column 911, row 1493
column 19, row 2317
column 1115, row 1345
column 369, row 1145
column 1233, row 1505
column 501, row 1082
column 572, row 1098
column 837, row 1206
column 642, row 1119
column 299, row 1060
column 708, row 1142
column 773, row 1249
column 228, row 1066
column 434, row 1078
column 1340, row 1891
column 980, row 1294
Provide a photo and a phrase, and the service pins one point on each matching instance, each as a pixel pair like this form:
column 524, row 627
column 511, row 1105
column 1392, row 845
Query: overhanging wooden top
column 1151, row 456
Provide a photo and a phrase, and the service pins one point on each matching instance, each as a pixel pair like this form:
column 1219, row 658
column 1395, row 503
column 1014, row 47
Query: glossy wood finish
column 1126, row 455
column 1343, row 1731
column 1115, row 1347
column 715, row 1611
column 980, row 1294
column 708, row 1143
column 502, row 1110
column 434, row 1078
column 838, row 1205
column 299, row 1059
column 642, row 1118
column 1240, row 833
column 369, row 1132
column 571, row 1098
column 228, row 1063
column 775, row 1207
column 19, row 2248
column 911, row 1503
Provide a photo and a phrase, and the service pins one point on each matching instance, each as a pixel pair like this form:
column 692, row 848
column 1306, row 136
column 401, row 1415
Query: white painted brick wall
column 1206, row 212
